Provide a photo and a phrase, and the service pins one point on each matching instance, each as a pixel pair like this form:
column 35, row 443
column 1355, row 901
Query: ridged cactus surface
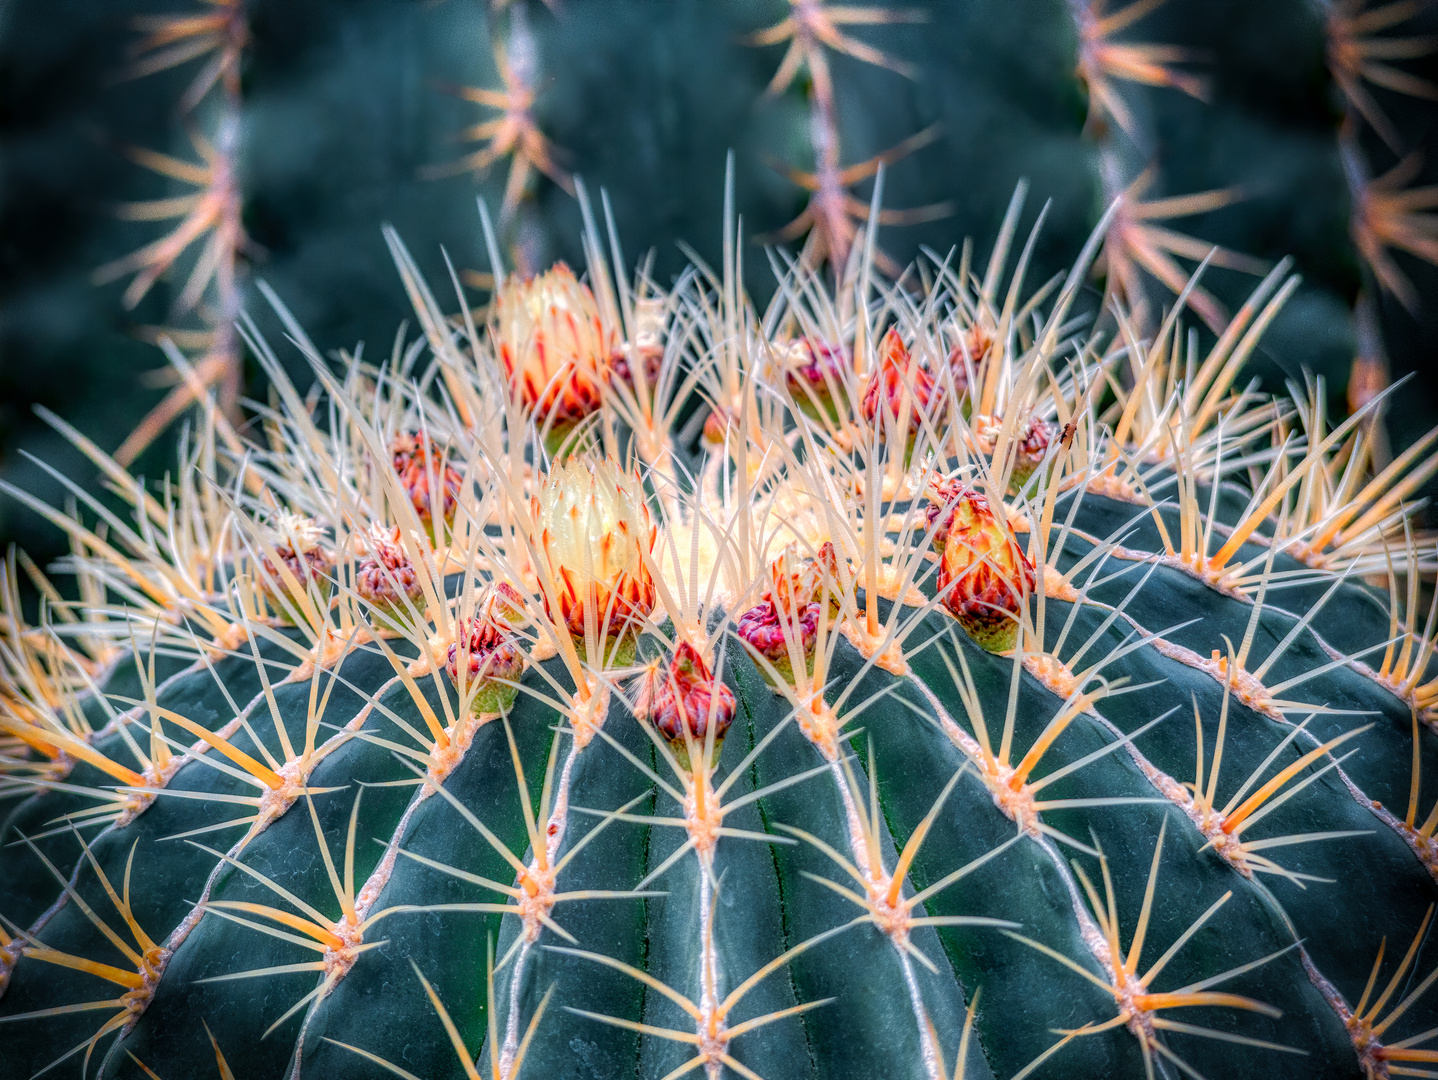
column 888, row 682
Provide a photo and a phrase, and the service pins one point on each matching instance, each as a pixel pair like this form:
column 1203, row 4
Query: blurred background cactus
column 162, row 155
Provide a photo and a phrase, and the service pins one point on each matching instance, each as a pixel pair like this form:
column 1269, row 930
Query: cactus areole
column 966, row 703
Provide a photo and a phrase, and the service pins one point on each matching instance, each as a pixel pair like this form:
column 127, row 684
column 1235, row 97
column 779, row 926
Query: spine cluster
column 859, row 724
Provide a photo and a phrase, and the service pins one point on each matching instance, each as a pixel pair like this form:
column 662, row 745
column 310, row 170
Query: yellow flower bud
column 594, row 537
column 553, row 344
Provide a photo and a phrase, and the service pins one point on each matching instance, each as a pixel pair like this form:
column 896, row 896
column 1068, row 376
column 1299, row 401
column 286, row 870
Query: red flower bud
column 984, row 575
column 943, row 493
column 790, row 610
column 647, row 346
column 621, row 372
column 689, row 699
column 491, row 657
column 900, row 391
column 717, row 426
column 418, row 461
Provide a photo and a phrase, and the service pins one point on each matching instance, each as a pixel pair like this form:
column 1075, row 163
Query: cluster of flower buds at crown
column 594, row 538
column 689, row 701
column 386, row 579
column 1029, row 446
column 967, row 356
column 491, row 657
column 984, row 576
column 900, row 391
column 420, row 463
column 646, row 345
column 802, row 591
column 553, row 344
column 298, row 543
column 814, row 373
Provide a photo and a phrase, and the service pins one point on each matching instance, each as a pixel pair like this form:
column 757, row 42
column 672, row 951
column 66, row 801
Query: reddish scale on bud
column 899, row 387
column 814, row 373
column 386, row 577
column 417, row 459
column 1030, row 447
column 553, row 344
column 792, row 605
column 689, row 699
column 984, row 575
column 297, row 544
column 595, row 538
column 943, row 493
column 492, row 658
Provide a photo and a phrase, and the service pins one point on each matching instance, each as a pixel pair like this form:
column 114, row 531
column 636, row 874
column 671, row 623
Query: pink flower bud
column 689, row 699
column 814, row 373
column 801, row 592
column 1030, row 445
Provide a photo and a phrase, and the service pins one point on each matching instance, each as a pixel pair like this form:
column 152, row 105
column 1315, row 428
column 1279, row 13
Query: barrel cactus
column 623, row 681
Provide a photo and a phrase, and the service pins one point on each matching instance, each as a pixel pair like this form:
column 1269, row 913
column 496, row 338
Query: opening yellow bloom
column 594, row 537
column 553, row 344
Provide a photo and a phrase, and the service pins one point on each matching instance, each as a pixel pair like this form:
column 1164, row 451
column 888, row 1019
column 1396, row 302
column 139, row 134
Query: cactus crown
column 810, row 746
